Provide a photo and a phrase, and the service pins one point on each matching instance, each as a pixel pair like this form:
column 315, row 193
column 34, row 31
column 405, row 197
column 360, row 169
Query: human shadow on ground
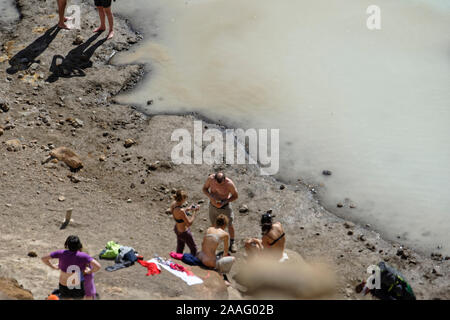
column 26, row 57
column 76, row 60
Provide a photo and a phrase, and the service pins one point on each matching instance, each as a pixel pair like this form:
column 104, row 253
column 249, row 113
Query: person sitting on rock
column 183, row 222
column 73, row 265
column 273, row 239
column 214, row 235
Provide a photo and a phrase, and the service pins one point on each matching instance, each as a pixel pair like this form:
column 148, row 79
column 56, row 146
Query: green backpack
column 393, row 284
column 111, row 251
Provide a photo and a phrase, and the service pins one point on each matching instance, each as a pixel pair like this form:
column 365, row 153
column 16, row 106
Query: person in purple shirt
column 76, row 280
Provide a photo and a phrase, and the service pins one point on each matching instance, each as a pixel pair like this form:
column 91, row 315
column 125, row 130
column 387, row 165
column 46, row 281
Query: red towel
column 151, row 267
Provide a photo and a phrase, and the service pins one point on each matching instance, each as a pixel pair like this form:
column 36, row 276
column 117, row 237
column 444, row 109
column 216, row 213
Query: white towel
column 190, row 280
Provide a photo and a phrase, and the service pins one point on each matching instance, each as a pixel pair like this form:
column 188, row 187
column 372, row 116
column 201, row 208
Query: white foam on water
column 371, row 106
column 8, row 12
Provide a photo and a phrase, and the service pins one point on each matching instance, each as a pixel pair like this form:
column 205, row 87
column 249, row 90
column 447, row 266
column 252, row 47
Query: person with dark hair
column 221, row 191
column 273, row 238
column 73, row 265
column 214, row 235
column 183, row 222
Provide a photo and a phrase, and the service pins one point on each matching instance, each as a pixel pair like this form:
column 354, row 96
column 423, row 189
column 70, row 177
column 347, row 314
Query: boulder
column 10, row 289
column 68, row 157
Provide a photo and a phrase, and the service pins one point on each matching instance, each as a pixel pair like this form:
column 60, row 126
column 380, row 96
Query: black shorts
column 65, row 292
column 102, row 3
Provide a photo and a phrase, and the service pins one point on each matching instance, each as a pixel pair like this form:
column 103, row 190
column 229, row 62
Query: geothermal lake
column 8, row 12
column 372, row 106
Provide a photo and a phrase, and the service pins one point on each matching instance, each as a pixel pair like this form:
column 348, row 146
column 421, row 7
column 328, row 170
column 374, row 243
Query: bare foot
column 63, row 26
column 99, row 29
column 68, row 19
column 110, row 35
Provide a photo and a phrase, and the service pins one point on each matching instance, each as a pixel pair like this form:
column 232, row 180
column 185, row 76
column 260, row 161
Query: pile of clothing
column 124, row 256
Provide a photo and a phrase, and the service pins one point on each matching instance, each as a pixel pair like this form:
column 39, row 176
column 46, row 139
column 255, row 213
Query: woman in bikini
column 215, row 235
column 273, row 239
column 183, row 222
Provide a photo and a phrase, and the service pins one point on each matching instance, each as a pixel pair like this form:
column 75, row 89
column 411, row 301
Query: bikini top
column 275, row 241
column 213, row 235
column 177, row 220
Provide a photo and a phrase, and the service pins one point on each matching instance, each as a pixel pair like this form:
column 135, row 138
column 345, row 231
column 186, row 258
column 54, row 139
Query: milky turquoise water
column 8, row 12
column 371, row 106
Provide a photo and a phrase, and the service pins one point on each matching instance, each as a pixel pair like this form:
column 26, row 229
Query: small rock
column 102, row 158
column 350, row 232
column 165, row 164
column 362, row 237
column 436, row 256
column 78, row 40
column 200, row 230
column 34, row 66
column 61, row 198
column 149, row 102
column 4, row 105
column 128, row 143
column 1, row 131
column 348, row 292
column 349, row 225
column 200, row 201
column 243, row 209
column 282, row 187
column 13, row 145
column 326, row 172
column 32, row 254
column 129, row 201
column 74, row 178
column 9, row 205
column 339, row 205
column 132, row 186
column 352, row 206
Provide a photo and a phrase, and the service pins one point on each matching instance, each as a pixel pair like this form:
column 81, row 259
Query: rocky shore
column 57, row 90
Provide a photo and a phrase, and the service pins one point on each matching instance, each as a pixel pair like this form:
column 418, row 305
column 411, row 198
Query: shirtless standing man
column 221, row 191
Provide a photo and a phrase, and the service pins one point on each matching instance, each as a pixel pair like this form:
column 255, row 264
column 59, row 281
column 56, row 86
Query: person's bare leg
column 110, row 22
column 61, row 11
column 101, row 14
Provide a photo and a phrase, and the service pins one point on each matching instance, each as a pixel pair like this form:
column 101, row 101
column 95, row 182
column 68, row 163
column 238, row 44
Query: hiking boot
column 233, row 248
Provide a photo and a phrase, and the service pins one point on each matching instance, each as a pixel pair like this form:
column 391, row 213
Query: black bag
column 393, row 285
